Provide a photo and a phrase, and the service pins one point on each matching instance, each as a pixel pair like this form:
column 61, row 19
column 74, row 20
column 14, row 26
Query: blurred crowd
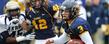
column 98, row 17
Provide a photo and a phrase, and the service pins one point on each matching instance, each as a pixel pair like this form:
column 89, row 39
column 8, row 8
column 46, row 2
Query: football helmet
column 12, row 8
column 71, row 7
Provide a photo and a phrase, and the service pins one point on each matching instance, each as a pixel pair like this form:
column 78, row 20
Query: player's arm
column 8, row 39
column 61, row 40
column 84, row 35
column 13, row 40
column 26, row 25
column 86, row 38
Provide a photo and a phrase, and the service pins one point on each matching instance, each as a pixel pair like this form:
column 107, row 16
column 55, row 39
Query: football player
column 13, row 25
column 42, row 21
column 75, row 27
column 82, row 12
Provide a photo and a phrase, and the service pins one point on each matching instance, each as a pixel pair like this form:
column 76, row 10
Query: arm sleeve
column 62, row 39
column 86, row 38
column 85, row 35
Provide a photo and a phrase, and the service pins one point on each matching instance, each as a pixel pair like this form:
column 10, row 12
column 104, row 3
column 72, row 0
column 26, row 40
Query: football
column 75, row 41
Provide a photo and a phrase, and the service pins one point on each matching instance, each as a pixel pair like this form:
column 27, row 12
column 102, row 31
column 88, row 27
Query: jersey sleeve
column 79, row 26
column 80, row 29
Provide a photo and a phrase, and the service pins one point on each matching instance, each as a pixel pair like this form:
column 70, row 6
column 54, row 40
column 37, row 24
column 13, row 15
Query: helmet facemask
column 75, row 12
column 14, row 12
column 72, row 13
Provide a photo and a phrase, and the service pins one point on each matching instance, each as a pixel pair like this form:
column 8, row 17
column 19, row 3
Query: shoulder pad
column 78, row 22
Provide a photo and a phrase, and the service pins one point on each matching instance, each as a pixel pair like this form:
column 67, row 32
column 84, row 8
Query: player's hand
column 56, row 7
column 50, row 41
column 25, row 26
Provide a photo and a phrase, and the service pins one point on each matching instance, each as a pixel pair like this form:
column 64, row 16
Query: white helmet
column 12, row 5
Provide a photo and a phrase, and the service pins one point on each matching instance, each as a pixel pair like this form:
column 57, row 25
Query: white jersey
column 4, row 25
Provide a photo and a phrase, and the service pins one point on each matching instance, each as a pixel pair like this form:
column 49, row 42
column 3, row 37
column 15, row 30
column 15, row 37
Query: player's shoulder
column 3, row 16
column 79, row 22
column 22, row 16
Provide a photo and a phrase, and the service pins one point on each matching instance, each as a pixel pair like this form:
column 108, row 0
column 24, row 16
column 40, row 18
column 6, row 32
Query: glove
column 30, row 37
column 56, row 7
column 22, row 38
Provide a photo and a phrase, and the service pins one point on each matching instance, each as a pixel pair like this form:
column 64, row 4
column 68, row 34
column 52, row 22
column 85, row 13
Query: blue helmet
column 70, row 5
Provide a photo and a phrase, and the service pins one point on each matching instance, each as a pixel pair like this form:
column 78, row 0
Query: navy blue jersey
column 78, row 26
column 42, row 22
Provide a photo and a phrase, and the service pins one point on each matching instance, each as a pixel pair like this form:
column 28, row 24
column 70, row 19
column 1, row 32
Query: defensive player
column 13, row 25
